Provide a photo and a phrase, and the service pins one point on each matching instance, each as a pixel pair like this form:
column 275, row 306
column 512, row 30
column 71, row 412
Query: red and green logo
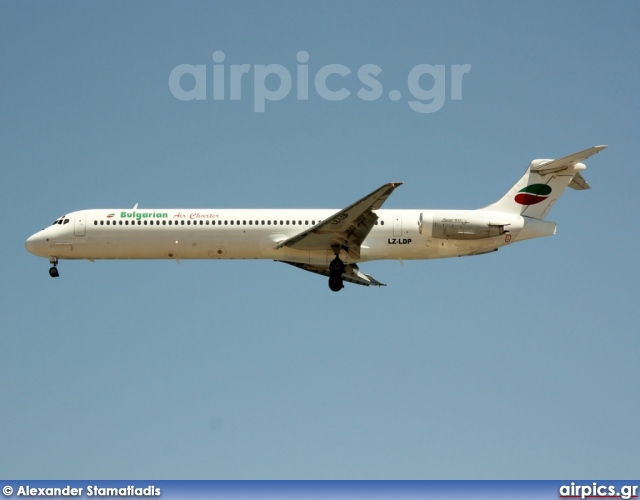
column 110, row 215
column 535, row 193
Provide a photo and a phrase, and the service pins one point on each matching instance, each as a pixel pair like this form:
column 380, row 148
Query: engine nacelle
column 459, row 226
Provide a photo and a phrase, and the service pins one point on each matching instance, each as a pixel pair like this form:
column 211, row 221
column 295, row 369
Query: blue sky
column 519, row 364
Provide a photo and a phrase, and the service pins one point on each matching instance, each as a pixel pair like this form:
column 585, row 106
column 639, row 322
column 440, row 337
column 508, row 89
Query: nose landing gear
column 53, row 271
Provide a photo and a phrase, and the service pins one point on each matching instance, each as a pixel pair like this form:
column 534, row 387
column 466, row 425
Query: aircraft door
column 397, row 225
column 79, row 224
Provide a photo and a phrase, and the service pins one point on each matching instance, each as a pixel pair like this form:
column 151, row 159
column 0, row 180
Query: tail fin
column 543, row 183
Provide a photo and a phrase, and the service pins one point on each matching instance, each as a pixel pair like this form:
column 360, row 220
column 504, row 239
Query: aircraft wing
column 346, row 229
column 352, row 273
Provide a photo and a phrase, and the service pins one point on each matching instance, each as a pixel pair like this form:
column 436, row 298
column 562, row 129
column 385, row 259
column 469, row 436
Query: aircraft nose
column 35, row 244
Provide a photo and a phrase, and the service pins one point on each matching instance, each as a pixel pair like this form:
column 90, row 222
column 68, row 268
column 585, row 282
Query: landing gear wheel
column 335, row 283
column 53, row 272
column 336, row 267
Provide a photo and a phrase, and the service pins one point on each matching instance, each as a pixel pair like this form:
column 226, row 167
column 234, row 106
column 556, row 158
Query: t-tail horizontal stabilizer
column 542, row 184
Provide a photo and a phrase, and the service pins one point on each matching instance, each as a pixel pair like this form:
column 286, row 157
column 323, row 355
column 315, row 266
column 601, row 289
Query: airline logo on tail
column 535, row 193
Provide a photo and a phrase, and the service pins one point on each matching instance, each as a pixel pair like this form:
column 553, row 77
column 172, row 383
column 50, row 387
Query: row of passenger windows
column 204, row 223
column 200, row 222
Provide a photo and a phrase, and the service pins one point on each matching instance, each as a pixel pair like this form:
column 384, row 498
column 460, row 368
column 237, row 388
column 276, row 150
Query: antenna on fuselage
column 135, row 207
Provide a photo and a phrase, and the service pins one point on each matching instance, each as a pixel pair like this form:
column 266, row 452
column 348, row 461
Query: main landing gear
column 53, row 272
column 336, row 270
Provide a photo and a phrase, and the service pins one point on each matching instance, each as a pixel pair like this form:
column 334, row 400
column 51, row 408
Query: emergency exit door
column 397, row 225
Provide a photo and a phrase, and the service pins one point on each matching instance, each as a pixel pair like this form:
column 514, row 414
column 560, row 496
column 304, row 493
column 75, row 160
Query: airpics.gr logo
column 535, row 193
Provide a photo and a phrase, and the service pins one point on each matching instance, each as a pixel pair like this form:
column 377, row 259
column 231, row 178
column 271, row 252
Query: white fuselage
column 253, row 234
column 326, row 242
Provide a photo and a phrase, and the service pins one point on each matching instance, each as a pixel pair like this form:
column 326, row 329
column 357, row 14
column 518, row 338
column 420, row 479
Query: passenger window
column 102, row 223
column 95, row 222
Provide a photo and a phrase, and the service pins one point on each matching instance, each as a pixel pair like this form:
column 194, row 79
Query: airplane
column 331, row 243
